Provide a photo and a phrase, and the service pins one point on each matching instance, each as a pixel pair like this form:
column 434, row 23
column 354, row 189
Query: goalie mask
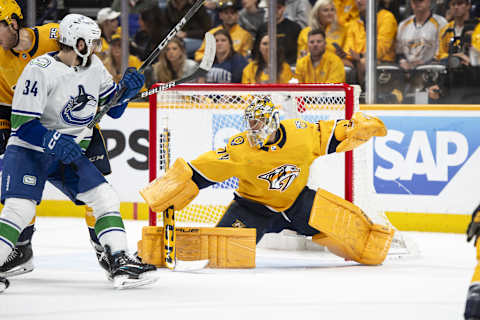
column 261, row 120
column 75, row 27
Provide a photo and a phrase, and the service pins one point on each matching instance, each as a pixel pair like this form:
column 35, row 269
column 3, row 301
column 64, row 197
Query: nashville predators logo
column 282, row 177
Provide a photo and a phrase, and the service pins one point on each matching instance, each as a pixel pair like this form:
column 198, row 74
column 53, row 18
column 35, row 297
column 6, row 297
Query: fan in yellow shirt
column 256, row 71
column 319, row 65
column 323, row 15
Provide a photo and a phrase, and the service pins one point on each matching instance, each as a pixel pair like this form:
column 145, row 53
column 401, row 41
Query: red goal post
column 199, row 112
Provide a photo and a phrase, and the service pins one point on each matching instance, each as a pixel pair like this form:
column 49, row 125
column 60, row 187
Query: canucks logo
column 282, row 177
column 79, row 110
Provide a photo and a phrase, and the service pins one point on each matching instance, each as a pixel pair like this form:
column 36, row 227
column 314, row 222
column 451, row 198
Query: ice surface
column 67, row 283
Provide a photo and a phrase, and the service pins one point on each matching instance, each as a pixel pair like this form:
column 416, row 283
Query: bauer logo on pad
column 422, row 155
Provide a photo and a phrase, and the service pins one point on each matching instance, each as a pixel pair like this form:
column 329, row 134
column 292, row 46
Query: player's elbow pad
column 116, row 112
column 32, row 132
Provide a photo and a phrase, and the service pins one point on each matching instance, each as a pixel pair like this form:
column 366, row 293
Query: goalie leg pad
column 223, row 247
column 174, row 188
column 347, row 232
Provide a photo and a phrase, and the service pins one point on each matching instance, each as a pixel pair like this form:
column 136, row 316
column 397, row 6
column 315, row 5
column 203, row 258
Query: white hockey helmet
column 75, row 27
column 261, row 120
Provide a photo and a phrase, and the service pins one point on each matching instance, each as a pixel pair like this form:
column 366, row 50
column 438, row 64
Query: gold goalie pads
column 223, row 247
column 347, row 232
column 174, row 188
column 360, row 129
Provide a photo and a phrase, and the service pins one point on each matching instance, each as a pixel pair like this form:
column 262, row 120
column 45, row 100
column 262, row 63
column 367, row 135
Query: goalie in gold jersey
column 19, row 45
column 271, row 160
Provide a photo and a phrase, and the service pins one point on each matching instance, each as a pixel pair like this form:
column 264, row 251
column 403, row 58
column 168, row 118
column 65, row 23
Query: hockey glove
column 133, row 81
column 5, row 113
column 473, row 229
column 62, row 147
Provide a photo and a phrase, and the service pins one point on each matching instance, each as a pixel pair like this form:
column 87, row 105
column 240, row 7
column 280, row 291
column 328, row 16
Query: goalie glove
column 473, row 229
column 359, row 130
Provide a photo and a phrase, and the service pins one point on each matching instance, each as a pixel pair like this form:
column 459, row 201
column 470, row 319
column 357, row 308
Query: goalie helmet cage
column 202, row 117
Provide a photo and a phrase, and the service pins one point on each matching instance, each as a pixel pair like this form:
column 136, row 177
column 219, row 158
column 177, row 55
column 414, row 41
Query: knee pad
column 17, row 213
column 101, row 199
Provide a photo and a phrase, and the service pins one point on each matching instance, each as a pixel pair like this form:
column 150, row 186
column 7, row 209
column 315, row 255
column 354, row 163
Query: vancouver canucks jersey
column 276, row 174
column 63, row 98
column 44, row 39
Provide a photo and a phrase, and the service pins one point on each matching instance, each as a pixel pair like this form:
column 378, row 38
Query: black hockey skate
column 4, row 283
column 128, row 272
column 102, row 258
column 19, row 261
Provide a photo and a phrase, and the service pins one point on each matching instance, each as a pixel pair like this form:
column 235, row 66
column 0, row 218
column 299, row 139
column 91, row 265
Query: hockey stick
column 148, row 61
column 169, row 234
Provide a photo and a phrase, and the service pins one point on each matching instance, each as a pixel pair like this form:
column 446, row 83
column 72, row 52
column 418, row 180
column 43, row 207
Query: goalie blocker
column 331, row 220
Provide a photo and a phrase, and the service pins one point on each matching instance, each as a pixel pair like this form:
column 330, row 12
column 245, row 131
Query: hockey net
column 190, row 119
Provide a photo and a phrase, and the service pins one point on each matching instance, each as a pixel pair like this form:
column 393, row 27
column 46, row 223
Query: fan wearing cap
column 242, row 39
column 107, row 20
column 287, row 33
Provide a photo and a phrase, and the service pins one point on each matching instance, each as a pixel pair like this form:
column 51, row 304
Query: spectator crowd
column 425, row 48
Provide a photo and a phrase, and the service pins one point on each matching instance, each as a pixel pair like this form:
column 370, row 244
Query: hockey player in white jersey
column 56, row 97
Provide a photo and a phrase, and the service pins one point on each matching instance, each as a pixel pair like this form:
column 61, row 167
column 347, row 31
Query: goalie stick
column 169, row 238
column 148, row 61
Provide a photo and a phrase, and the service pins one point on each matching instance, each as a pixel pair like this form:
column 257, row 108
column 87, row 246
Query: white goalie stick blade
column 124, row 282
column 187, row 266
column 203, row 68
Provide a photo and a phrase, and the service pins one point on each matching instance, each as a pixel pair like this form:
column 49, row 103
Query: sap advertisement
column 428, row 162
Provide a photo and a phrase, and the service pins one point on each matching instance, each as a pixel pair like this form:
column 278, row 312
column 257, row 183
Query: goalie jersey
column 276, row 174
column 12, row 63
column 63, row 98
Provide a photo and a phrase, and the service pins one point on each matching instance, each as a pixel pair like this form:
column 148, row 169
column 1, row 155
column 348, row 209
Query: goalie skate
column 4, row 283
column 127, row 272
column 19, row 261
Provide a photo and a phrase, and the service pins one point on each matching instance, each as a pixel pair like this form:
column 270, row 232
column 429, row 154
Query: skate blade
column 186, row 266
column 124, row 282
column 21, row 269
